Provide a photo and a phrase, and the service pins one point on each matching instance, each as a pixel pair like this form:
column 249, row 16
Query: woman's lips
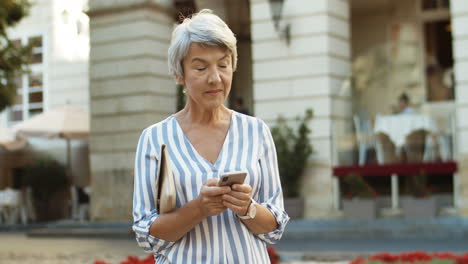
column 214, row 92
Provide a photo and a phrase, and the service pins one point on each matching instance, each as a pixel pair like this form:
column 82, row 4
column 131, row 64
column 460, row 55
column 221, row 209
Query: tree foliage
column 13, row 57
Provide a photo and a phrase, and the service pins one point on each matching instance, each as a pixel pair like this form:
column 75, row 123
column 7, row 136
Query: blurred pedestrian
column 238, row 106
column 404, row 104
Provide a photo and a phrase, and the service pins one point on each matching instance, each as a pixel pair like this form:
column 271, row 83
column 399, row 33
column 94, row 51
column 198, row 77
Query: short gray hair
column 203, row 27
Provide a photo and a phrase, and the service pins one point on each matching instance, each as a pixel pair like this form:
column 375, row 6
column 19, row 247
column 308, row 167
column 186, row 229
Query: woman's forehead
column 207, row 52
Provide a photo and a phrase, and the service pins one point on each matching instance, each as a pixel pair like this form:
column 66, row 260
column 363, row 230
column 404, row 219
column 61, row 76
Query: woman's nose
column 214, row 76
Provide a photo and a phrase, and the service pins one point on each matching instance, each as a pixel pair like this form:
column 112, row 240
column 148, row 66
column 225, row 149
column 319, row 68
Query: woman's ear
column 180, row 80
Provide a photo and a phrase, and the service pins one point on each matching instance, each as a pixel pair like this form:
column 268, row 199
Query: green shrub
column 48, row 180
column 357, row 187
column 293, row 148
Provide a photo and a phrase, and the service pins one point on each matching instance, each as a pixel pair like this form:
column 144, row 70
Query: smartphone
column 230, row 178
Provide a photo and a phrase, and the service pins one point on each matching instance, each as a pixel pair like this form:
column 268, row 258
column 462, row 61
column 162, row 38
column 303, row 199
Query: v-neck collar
column 194, row 150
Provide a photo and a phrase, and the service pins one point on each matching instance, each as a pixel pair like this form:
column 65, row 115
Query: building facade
column 58, row 72
column 302, row 63
column 302, row 58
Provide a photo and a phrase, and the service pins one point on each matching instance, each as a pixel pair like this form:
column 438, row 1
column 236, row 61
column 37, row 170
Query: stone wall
column 130, row 89
column 307, row 73
column 459, row 12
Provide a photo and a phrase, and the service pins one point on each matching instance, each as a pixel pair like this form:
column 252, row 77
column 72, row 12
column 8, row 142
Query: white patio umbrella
column 9, row 141
column 67, row 122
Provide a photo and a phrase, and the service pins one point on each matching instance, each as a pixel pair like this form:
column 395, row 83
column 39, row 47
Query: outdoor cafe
column 39, row 187
column 408, row 162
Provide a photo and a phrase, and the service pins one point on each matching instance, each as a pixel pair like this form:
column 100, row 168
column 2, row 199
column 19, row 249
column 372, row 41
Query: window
column 29, row 97
column 16, row 112
column 35, row 93
column 435, row 4
column 36, row 43
column 439, row 61
column 35, row 80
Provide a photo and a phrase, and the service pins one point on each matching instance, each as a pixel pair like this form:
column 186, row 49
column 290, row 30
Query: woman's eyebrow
column 204, row 61
column 198, row 59
column 224, row 57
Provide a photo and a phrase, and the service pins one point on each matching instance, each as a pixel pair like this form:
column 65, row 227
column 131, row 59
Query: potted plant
column 293, row 149
column 419, row 203
column 360, row 202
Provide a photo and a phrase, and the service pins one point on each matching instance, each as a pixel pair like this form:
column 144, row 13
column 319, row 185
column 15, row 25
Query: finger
column 238, row 196
column 215, row 190
column 240, row 210
column 212, row 182
column 216, row 206
column 233, row 200
column 245, row 188
column 214, row 200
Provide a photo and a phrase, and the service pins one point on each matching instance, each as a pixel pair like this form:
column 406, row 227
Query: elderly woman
column 211, row 224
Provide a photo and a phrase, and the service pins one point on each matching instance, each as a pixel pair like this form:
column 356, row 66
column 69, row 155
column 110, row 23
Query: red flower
column 134, row 260
column 412, row 257
column 384, row 257
column 100, row 262
column 444, row 255
column 462, row 259
column 357, row 261
column 274, row 257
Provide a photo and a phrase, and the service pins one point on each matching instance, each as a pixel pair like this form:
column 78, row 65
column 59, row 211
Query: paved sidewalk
column 317, row 240
column 18, row 248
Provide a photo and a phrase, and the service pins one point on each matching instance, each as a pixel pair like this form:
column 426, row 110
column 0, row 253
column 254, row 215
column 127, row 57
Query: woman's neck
column 201, row 116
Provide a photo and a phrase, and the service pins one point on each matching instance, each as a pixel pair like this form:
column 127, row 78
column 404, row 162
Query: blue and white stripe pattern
column 217, row 239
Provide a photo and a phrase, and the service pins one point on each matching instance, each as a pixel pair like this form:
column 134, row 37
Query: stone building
column 279, row 73
column 58, row 75
column 300, row 58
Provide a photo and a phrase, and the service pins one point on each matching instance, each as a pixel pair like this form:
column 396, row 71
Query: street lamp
column 276, row 7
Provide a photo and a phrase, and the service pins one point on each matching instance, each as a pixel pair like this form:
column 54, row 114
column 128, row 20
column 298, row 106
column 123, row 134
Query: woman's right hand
column 210, row 198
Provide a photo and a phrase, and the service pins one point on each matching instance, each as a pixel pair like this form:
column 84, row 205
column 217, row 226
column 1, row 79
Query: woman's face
column 208, row 75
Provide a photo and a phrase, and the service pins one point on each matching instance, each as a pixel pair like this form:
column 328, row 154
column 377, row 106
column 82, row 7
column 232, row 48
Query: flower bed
column 274, row 258
column 132, row 260
column 414, row 257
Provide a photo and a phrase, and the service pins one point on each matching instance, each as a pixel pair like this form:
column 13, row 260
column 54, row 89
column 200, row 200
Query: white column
column 130, row 89
column 459, row 13
column 218, row 7
column 306, row 74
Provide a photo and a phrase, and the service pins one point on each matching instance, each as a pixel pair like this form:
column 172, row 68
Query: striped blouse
column 223, row 238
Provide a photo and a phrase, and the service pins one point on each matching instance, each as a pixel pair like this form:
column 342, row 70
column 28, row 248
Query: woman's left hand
column 238, row 200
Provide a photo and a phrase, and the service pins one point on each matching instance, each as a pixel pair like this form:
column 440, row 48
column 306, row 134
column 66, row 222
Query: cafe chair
column 10, row 204
column 419, row 146
column 385, row 149
column 79, row 203
column 27, row 211
column 364, row 138
column 446, row 141
column 445, row 148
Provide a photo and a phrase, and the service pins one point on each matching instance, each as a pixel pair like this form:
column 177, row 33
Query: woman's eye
column 223, row 66
column 201, row 69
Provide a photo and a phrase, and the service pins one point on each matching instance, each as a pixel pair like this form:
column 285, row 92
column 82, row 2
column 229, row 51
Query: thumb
column 212, row 182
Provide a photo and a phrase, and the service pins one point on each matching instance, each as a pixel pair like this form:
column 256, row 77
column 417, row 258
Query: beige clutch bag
column 165, row 188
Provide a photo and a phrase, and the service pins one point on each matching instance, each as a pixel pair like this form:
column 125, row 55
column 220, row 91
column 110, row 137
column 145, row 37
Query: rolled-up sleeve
column 144, row 209
column 271, row 194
